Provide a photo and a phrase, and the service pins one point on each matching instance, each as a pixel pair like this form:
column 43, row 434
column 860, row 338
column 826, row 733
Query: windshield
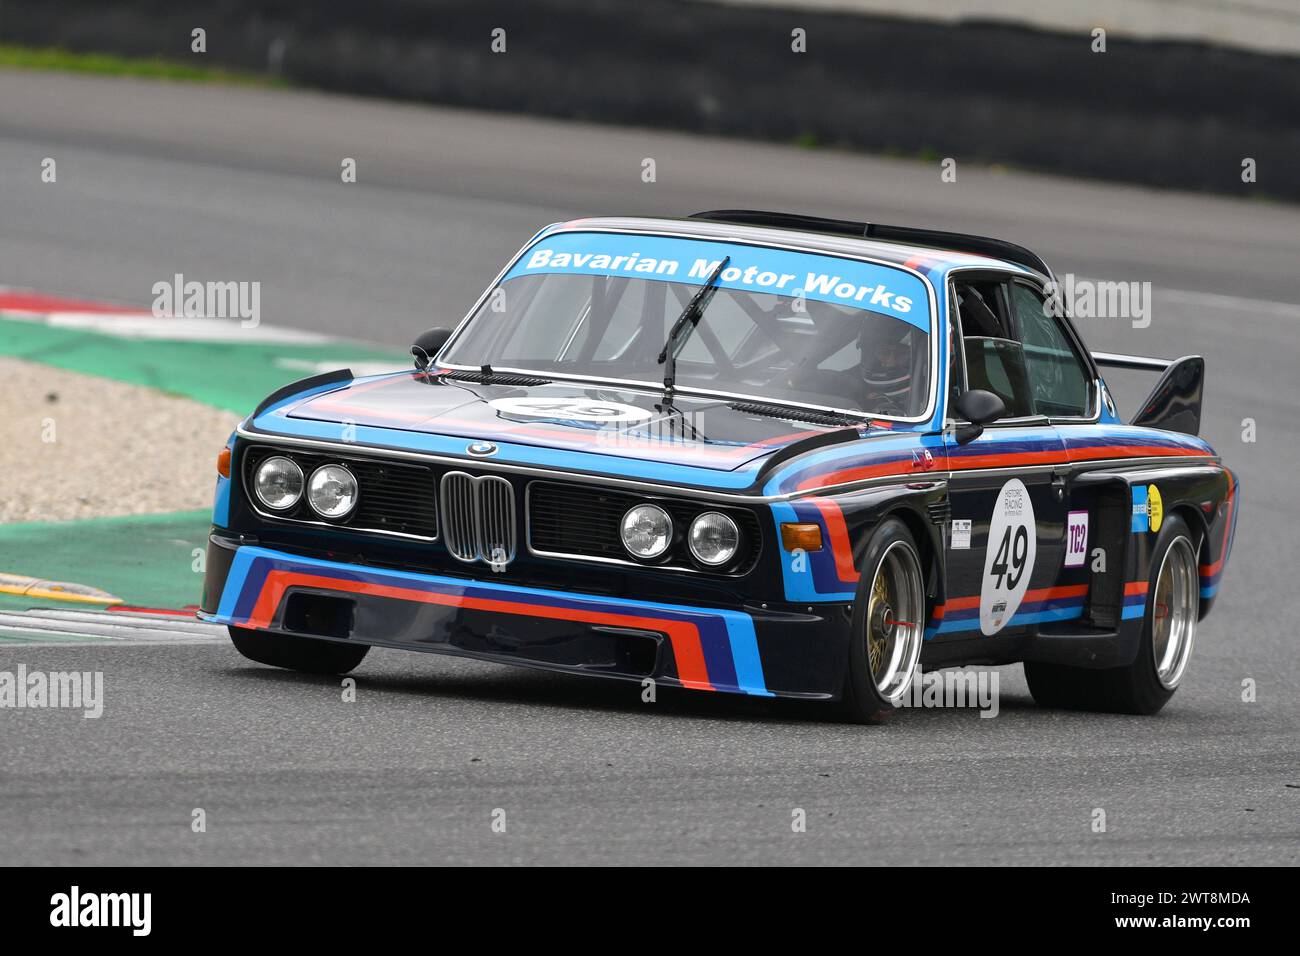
column 782, row 326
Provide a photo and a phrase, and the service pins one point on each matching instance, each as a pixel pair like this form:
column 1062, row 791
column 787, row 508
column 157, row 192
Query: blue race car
column 744, row 452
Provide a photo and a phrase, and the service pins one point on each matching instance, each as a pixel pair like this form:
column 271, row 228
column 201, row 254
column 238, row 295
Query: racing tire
column 887, row 629
column 305, row 654
column 1168, row 635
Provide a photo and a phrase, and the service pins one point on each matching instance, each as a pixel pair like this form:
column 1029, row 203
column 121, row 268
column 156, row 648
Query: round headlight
column 647, row 531
column 332, row 491
column 714, row 538
column 278, row 483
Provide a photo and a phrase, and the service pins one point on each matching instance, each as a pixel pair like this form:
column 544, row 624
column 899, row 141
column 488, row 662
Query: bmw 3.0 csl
column 744, row 452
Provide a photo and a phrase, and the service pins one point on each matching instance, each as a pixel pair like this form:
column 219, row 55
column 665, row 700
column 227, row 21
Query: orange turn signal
column 223, row 463
column 801, row 537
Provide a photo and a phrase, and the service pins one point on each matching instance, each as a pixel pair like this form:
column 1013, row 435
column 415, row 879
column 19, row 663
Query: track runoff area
column 126, row 567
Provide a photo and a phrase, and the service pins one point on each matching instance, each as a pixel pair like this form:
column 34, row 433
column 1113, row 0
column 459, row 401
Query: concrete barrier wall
column 1162, row 113
column 1272, row 26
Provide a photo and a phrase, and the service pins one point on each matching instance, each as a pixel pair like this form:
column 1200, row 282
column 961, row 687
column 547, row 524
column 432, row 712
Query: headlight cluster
column 647, row 532
column 331, row 491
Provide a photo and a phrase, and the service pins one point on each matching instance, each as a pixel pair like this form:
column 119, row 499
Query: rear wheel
column 1168, row 634
column 297, row 653
column 887, row 628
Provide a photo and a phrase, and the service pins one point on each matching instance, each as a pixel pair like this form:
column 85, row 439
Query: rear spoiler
column 1175, row 403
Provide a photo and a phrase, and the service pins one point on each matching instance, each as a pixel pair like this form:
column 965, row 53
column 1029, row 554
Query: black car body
column 491, row 487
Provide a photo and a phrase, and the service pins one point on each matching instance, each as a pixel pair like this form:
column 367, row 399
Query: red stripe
column 1132, row 451
column 1061, row 591
column 850, row 474
column 1003, row 460
column 841, row 546
column 684, row 636
column 1209, row 569
column 1037, row 594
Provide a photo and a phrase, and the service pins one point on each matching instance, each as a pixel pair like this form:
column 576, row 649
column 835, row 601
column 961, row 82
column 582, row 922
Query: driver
column 885, row 365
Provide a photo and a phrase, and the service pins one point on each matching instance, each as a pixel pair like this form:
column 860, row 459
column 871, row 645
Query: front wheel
column 887, row 628
column 297, row 653
column 1168, row 633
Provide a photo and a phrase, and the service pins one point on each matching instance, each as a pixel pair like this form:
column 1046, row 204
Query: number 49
column 1019, row 550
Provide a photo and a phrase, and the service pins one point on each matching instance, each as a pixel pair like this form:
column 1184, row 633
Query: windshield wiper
column 691, row 315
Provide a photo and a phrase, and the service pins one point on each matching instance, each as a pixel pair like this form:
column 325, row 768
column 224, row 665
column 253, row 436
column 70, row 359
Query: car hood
column 714, row 434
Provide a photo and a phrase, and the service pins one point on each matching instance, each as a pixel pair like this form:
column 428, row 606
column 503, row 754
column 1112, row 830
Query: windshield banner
column 846, row 282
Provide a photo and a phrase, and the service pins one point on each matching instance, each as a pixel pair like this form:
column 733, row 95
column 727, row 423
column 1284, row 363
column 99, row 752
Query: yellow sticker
column 1155, row 507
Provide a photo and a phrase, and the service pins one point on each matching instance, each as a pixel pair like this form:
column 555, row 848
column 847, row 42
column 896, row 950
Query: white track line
column 118, row 626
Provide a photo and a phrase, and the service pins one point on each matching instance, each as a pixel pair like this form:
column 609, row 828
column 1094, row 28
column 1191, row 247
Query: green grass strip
column 109, row 64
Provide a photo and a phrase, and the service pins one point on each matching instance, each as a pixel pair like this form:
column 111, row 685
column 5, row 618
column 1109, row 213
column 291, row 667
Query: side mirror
column 979, row 407
column 428, row 345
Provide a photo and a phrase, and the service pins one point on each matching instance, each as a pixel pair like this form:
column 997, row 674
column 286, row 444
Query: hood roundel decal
column 572, row 409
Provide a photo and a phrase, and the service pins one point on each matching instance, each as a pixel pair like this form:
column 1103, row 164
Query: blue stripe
column 815, row 583
column 723, row 633
column 221, row 503
column 744, row 654
column 227, row 609
column 952, row 623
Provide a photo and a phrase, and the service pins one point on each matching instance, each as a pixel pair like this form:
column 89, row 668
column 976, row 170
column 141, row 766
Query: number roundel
column 1009, row 557
column 576, row 409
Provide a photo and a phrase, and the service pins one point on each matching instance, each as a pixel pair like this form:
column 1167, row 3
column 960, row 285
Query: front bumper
column 748, row 650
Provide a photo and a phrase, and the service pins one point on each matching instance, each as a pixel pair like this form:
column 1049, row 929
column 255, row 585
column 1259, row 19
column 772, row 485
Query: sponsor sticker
column 847, row 282
column 960, row 534
column 1009, row 557
column 1155, row 508
column 1141, row 517
column 1076, row 539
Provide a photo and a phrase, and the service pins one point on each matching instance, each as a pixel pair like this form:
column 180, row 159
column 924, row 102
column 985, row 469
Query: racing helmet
column 886, row 355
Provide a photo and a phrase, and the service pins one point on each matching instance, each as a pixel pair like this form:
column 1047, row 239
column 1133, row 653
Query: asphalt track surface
column 221, row 183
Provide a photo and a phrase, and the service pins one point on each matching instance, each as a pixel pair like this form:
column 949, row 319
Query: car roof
column 931, row 261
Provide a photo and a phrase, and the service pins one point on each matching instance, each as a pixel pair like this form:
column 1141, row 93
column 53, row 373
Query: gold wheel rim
column 877, row 640
column 894, row 625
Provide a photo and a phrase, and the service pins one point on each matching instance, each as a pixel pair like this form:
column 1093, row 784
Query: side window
column 995, row 361
column 1058, row 378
